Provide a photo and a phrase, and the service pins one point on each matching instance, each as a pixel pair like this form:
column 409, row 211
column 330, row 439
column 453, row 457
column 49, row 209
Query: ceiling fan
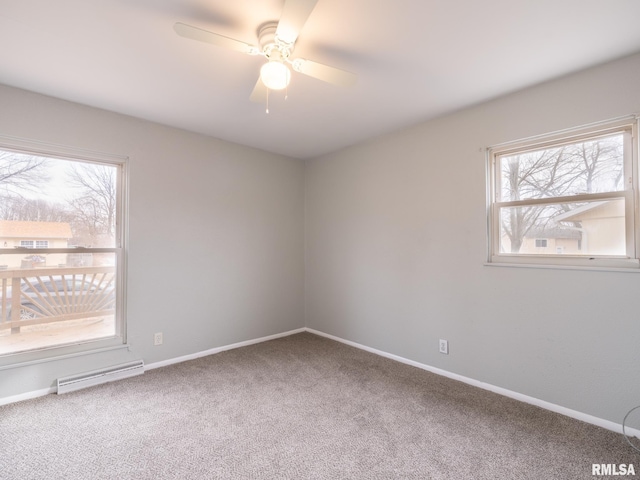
column 276, row 43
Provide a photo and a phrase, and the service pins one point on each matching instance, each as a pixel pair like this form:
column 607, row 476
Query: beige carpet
column 299, row 407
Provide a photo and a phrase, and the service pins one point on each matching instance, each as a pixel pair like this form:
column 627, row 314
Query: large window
column 61, row 253
column 566, row 199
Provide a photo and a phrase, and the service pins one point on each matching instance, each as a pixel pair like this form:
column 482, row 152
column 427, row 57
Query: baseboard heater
column 96, row 377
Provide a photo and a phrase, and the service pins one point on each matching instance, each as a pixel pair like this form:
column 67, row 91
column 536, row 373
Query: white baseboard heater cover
column 96, row 377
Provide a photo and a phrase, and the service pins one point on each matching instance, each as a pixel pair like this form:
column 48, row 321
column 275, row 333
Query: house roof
column 578, row 214
column 553, row 232
column 22, row 229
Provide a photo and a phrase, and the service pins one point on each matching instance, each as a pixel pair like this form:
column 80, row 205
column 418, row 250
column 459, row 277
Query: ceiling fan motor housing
column 270, row 42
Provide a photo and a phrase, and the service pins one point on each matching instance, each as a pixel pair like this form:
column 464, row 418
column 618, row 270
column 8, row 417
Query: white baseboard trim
column 213, row 351
column 163, row 363
column 584, row 417
column 26, row 396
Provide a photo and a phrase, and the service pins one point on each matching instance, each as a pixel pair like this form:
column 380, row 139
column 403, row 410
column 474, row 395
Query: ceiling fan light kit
column 275, row 75
column 277, row 41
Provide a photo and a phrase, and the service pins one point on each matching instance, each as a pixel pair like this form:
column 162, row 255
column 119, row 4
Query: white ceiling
column 415, row 60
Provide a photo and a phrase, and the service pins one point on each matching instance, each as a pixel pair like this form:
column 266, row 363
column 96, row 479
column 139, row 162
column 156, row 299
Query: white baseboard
column 213, row 351
column 584, row 417
column 164, row 363
column 27, row 396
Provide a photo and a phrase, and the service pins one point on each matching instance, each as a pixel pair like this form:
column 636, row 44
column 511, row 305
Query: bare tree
column 527, row 176
column 94, row 205
column 34, row 210
column 600, row 163
column 563, row 171
column 20, row 173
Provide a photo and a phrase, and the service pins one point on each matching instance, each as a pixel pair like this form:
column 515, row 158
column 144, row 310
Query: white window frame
column 119, row 339
column 629, row 125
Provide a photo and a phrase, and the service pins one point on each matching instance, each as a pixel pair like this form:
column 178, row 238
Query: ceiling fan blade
column 259, row 94
column 201, row 35
column 324, row 72
column 294, row 15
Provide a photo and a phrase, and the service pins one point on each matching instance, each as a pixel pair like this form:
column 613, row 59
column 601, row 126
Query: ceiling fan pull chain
column 268, row 100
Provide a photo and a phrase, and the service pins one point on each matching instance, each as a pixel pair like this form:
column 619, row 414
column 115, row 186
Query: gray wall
column 216, row 234
column 396, row 246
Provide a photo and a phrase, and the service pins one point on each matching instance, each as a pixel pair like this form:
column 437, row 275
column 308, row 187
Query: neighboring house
column 603, row 230
column 14, row 234
column 597, row 228
column 553, row 241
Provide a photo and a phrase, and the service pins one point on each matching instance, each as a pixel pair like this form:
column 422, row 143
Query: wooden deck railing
column 53, row 294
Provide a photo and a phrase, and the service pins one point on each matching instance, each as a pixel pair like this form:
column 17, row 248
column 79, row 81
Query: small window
column 34, row 243
column 566, row 199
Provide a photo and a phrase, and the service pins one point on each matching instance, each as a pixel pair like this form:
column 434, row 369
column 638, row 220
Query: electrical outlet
column 157, row 338
column 444, row 347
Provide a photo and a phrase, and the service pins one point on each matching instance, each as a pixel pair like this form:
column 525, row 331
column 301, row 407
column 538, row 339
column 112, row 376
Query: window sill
column 563, row 267
column 47, row 355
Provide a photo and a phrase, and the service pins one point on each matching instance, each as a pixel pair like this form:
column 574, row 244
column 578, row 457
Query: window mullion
column 586, row 197
column 35, row 251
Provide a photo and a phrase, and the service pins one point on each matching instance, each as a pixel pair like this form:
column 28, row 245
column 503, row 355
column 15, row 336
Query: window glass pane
column 574, row 228
column 592, row 166
column 60, row 202
column 53, row 299
column 48, row 306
